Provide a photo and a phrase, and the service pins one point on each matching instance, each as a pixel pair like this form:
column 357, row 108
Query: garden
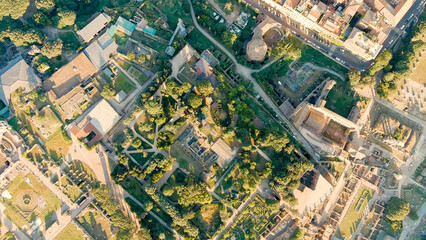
column 30, row 200
column 341, row 100
column 253, row 220
column 122, row 82
column 353, row 217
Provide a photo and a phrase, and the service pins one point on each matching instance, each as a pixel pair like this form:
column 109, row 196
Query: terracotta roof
column 70, row 75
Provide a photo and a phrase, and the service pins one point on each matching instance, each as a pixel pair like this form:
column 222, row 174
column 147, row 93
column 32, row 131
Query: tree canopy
column 381, row 62
column 195, row 100
column 193, row 191
column 397, row 209
column 45, row 4
column 22, row 38
column 108, row 91
column 52, row 49
column 66, row 18
column 229, row 38
column 13, row 8
column 154, row 107
column 205, row 88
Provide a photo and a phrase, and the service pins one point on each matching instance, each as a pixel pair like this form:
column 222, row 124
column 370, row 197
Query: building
column 393, row 10
column 317, row 11
column 225, row 153
column 95, row 123
column 100, row 50
column 182, row 57
column 361, row 44
column 17, row 74
column 204, row 71
column 69, row 76
column 94, row 27
column 314, row 189
column 122, row 25
column 292, row 3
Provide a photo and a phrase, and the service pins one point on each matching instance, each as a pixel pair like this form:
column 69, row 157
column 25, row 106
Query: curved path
column 246, row 72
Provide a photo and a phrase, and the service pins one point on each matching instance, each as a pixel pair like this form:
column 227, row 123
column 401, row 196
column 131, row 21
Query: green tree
column 144, row 234
column 195, row 101
column 145, row 127
column 229, row 38
column 168, row 191
column 354, row 77
column 52, row 49
column 13, row 8
column 276, row 140
column 298, row 234
column 123, row 159
column 108, row 91
column 397, row 209
column 9, row 235
column 23, row 38
column 228, row 7
column 205, row 88
column 142, row 58
column 193, row 191
column 148, row 206
column 45, row 4
column 131, row 55
column 381, row 62
column 119, row 173
column 154, row 107
column 42, row 19
column 66, row 18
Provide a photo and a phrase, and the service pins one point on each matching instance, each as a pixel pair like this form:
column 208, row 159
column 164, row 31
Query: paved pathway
column 409, row 226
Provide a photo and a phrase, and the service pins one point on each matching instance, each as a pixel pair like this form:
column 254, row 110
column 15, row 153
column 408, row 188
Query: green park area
column 96, row 224
column 71, row 232
column 122, row 82
column 355, row 212
column 253, row 220
column 30, row 200
column 340, row 100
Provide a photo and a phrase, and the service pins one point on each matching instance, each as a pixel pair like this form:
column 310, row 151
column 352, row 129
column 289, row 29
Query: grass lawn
column 353, row 217
column 185, row 160
column 310, row 54
column 69, row 40
column 71, row 232
column 29, row 185
column 140, row 158
column 95, row 224
column 56, row 145
column 420, row 71
column 120, row 38
column 140, row 76
column 123, row 64
column 340, row 102
column 122, row 82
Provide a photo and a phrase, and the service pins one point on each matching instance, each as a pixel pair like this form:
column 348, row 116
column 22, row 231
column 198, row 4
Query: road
column 415, row 10
column 246, row 72
column 319, row 42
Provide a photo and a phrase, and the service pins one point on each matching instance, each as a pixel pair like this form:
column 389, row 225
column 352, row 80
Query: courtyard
column 29, row 201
